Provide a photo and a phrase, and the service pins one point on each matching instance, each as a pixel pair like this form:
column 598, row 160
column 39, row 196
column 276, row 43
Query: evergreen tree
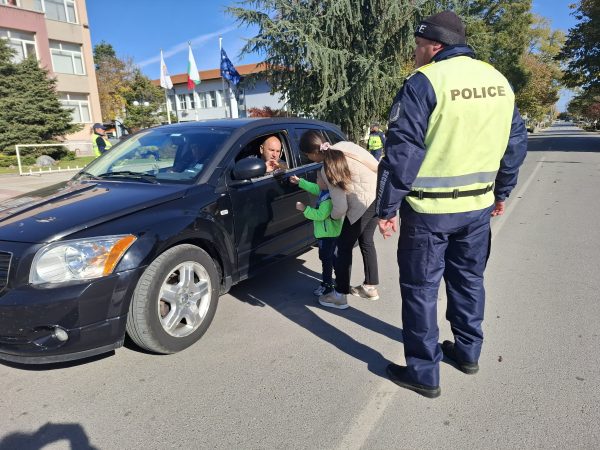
column 337, row 60
column 581, row 54
column 140, row 89
column 30, row 112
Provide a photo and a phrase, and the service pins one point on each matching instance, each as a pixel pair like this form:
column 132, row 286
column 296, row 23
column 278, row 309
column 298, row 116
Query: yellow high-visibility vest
column 95, row 144
column 467, row 134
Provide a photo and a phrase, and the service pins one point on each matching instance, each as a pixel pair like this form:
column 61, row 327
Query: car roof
column 248, row 123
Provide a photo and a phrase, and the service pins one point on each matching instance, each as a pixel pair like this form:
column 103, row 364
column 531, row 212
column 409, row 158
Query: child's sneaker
column 370, row 293
column 320, row 290
column 334, row 300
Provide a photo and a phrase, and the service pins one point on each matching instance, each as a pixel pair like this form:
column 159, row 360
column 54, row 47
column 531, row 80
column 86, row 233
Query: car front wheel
column 174, row 301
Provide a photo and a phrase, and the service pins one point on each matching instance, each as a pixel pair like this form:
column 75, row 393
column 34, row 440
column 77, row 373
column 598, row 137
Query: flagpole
column 166, row 89
column 225, row 97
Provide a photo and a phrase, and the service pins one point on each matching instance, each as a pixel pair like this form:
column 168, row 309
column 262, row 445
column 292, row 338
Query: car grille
column 4, row 268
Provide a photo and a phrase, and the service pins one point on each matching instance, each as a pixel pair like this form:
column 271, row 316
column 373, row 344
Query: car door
column 267, row 226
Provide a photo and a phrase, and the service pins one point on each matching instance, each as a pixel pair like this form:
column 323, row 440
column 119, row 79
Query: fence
column 75, row 147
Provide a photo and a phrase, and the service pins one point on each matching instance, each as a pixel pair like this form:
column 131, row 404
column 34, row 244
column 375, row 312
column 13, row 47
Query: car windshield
column 160, row 155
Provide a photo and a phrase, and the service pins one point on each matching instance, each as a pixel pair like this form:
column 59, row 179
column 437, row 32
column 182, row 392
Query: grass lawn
column 81, row 162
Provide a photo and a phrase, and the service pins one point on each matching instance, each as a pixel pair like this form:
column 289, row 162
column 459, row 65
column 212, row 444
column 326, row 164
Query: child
column 326, row 229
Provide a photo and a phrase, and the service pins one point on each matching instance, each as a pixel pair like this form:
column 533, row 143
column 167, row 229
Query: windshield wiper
column 148, row 178
column 87, row 175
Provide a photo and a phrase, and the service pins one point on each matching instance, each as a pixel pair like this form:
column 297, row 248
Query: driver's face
column 271, row 149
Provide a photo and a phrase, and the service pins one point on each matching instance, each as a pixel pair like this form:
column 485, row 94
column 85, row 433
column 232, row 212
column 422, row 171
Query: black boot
column 464, row 366
column 399, row 376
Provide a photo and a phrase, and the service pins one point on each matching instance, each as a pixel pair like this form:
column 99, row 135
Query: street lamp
column 136, row 103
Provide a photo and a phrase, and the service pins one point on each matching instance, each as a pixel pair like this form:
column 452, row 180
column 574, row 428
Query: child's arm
column 311, row 188
column 321, row 213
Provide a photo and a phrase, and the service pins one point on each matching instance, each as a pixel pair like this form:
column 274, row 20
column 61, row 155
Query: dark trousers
column 377, row 153
column 327, row 257
column 362, row 231
column 455, row 246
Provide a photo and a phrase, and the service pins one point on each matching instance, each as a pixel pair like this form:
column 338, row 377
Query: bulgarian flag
column 193, row 79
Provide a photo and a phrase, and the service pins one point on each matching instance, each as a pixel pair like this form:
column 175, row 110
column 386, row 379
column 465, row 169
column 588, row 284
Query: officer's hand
column 294, row 179
column 387, row 227
column 498, row 209
column 300, row 206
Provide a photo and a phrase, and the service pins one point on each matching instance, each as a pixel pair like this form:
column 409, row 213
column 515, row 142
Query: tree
column 581, row 51
column 581, row 55
column 113, row 76
column 338, row 60
column 140, row 90
column 539, row 94
column 30, row 112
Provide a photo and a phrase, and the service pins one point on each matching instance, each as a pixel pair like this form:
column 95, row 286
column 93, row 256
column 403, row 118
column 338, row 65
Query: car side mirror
column 248, row 168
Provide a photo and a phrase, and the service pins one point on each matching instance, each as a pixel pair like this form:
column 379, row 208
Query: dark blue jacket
column 405, row 145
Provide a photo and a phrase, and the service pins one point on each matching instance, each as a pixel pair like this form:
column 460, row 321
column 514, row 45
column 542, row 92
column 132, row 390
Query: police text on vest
column 482, row 92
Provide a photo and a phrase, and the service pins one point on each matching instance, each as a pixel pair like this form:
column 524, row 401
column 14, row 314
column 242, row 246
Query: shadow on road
column 73, row 433
column 288, row 290
column 564, row 139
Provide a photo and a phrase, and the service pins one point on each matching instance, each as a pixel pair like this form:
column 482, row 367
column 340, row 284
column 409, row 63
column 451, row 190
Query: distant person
column 376, row 141
column 270, row 152
column 326, row 229
column 100, row 142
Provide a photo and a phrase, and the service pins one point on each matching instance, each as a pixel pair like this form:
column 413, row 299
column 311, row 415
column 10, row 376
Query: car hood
column 65, row 208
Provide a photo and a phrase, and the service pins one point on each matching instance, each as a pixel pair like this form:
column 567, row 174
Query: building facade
column 213, row 99
column 57, row 33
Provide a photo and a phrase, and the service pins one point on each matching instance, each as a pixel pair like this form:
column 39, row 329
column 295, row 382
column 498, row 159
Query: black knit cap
column 445, row 27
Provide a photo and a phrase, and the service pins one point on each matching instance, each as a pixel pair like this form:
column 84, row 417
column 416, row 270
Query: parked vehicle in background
column 145, row 239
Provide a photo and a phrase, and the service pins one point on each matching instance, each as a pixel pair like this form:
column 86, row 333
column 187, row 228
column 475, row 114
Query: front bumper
column 41, row 325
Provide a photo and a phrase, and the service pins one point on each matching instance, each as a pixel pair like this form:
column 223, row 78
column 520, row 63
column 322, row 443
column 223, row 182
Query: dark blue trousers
column 432, row 246
column 327, row 256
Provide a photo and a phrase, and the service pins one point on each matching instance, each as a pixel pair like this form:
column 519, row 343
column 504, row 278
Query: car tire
column 174, row 301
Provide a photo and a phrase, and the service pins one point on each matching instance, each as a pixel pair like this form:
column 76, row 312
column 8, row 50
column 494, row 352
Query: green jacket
column 325, row 226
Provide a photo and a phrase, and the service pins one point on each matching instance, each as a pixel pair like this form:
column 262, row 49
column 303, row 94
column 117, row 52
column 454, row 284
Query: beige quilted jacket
column 363, row 188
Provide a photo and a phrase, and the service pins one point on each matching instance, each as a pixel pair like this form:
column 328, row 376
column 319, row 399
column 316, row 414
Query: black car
column 145, row 239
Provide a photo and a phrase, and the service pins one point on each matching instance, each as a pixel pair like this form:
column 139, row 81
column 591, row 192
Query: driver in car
column 270, row 152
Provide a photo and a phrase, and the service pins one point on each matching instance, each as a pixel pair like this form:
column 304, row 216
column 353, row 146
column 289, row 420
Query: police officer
column 376, row 141
column 454, row 147
column 100, row 142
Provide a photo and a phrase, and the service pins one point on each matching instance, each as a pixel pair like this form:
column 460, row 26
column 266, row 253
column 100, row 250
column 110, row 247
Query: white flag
column 165, row 79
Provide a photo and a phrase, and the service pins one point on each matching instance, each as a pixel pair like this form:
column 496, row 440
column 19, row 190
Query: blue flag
column 228, row 71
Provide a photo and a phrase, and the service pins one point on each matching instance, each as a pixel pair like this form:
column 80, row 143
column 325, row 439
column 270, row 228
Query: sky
column 140, row 28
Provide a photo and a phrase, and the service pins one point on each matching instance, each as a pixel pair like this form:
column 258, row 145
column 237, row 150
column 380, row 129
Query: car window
column 333, row 137
column 253, row 148
column 165, row 154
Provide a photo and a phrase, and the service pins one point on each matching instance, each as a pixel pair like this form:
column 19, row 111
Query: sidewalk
column 14, row 185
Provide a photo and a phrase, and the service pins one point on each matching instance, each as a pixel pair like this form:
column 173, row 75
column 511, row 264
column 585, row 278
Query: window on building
column 21, row 42
column 78, row 104
column 211, row 99
column 67, row 58
column 202, row 100
column 61, row 10
column 192, row 101
column 171, row 99
column 183, row 104
column 10, row 2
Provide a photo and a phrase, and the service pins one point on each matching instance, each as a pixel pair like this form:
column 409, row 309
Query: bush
column 7, row 161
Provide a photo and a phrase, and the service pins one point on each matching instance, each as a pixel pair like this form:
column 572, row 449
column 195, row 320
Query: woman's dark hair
column 335, row 164
column 311, row 141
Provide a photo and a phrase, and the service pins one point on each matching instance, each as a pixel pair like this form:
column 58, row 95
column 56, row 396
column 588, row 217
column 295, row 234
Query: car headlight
column 81, row 259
